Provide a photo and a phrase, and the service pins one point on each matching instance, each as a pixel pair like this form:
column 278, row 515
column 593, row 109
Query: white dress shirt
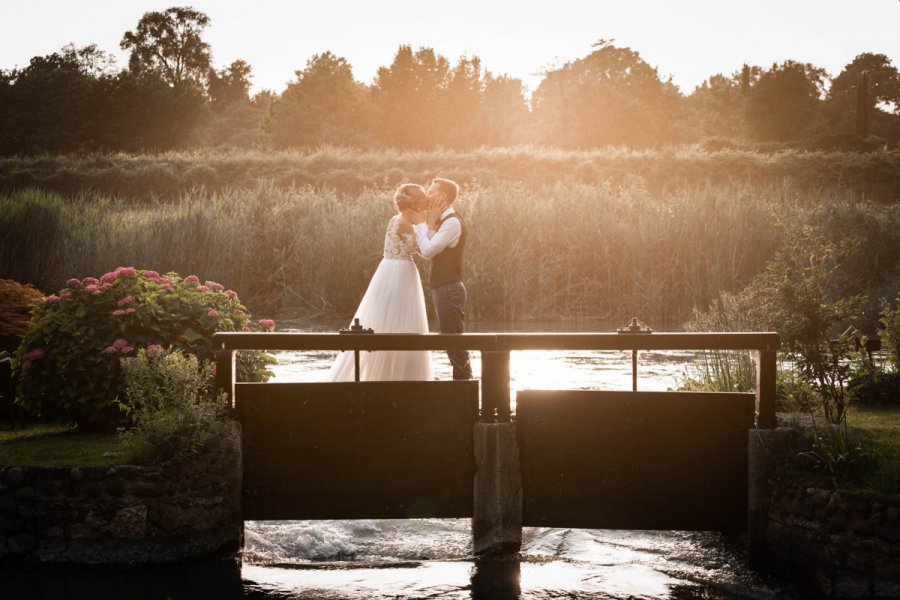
column 447, row 235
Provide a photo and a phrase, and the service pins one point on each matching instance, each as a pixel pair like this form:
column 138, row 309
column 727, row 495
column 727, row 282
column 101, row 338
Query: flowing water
column 432, row 558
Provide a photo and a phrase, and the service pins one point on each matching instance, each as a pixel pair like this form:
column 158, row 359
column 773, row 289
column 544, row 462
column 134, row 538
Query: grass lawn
column 56, row 446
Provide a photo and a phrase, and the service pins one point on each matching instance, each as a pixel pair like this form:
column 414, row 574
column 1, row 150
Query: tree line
column 170, row 97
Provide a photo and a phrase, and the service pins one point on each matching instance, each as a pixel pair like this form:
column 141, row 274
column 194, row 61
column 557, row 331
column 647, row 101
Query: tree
column 325, row 105
column 609, row 97
column 786, row 102
column 169, row 43
column 229, row 85
column 882, row 97
column 504, row 111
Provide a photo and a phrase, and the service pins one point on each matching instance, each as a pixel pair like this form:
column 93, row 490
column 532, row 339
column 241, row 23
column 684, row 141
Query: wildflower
column 73, row 282
column 202, row 288
column 216, row 287
column 192, row 279
column 109, row 277
column 213, row 313
column 26, row 365
column 89, row 281
column 51, row 300
column 231, row 293
column 36, row 354
column 266, row 324
column 125, row 301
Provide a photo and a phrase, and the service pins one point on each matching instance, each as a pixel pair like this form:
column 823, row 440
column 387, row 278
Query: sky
column 688, row 40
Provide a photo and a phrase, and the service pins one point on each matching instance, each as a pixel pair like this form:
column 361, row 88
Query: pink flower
column 125, row 301
column 122, row 312
column 213, row 313
column 247, row 329
column 266, row 324
column 65, row 295
column 170, row 287
column 51, row 300
column 89, row 281
column 231, row 293
column 129, row 272
column 150, row 275
column 92, row 288
column 73, row 282
column 192, row 279
column 154, row 350
column 109, row 277
column 36, row 354
column 120, row 345
column 26, row 365
column 216, row 287
column 202, row 288
column 212, row 369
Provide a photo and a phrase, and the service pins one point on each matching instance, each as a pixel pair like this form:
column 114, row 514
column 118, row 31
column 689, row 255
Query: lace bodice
column 399, row 246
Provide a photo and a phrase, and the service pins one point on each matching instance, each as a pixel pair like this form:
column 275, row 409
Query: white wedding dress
column 393, row 303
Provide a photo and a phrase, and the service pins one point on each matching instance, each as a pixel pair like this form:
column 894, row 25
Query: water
column 432, row 558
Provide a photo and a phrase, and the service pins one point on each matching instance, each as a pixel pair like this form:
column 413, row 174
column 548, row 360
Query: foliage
column 69, row 360
column 171, row 399
column 170, row 44
column 784, row 103
column 836, row 454
column 15, row 307
column 890, row 332
column 58, row 445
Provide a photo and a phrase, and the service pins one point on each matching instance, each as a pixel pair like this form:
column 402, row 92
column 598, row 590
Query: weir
column 442, row 449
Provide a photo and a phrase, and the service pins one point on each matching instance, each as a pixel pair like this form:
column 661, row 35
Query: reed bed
column 874, row 174
column 567, row 250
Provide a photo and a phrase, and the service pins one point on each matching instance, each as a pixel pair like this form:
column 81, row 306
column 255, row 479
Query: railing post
column 225, row 373
column 766, row 367
column 495, row 386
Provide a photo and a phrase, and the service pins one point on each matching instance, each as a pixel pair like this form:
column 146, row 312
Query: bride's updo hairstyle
column 409, row 195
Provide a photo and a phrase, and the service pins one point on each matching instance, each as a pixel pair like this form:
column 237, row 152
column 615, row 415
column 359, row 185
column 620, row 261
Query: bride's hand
column 413, row 216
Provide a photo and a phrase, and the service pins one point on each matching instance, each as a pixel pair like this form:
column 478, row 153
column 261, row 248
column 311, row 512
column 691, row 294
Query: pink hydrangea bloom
column 73, row 282
column 129, row 272
column 109, row 277
column 231, row 293
column 192, row 279
column 65, row 295
column 245, row 328
column 150, row 274
column 91, row 288
column 125, row 301
column 155, row 350
column 51, row 300
column 120, row 345
column 266, row 324
column 36, row 354
column 202, row 288
column 213, row 313
column 216, row 287
column 122, row 311
column 26, row 365
column 90, row 281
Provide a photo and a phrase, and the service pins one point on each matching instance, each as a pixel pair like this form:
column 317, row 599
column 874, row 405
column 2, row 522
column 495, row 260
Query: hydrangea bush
column 69, row 361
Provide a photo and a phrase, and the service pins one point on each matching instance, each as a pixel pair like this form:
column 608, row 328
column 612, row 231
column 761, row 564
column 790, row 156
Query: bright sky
column 689, row 40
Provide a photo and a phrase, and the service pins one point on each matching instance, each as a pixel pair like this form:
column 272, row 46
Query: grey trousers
column 449, row 304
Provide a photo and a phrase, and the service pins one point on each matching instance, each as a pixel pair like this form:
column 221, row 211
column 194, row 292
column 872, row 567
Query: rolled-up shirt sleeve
column 447, row 235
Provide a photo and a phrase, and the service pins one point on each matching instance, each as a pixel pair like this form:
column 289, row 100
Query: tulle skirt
column 393, row 303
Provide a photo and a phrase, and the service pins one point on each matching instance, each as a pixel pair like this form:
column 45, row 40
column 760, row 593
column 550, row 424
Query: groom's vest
column 446, row 267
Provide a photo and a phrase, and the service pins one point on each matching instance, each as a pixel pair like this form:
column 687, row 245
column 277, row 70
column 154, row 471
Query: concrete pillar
column 497, row 521
column 765, row 448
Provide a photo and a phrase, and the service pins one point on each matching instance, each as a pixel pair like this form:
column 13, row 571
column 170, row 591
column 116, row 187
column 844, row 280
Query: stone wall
column 124, row 514
column 843, row 545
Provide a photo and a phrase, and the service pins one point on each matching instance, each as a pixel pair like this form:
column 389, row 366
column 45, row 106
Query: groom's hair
column 450, row 189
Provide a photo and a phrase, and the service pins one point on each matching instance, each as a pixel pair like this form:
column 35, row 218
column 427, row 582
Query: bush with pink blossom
column 69, row 360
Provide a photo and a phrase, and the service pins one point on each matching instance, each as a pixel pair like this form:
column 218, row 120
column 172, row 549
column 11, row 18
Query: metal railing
column 496, row 347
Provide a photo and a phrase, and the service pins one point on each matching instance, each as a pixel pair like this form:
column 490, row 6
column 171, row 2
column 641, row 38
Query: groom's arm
column 447, row 235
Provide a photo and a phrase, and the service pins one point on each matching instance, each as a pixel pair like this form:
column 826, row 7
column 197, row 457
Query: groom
column 442, row 240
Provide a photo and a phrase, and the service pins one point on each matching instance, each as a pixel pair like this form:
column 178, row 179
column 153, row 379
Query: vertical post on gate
column 766, row 366
column 225, row 373
column 636, row 326
column 495, row 386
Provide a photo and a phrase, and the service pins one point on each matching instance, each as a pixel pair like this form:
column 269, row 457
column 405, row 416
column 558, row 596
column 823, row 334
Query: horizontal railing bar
column 497, row 342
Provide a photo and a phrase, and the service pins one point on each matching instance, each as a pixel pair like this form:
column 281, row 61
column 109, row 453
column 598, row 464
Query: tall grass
column 566, row 250
column 874, row 174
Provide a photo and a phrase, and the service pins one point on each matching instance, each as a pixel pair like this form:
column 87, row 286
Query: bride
column 393, row 303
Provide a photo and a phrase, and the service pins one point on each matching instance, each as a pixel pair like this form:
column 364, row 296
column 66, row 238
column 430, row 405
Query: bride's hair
column 408, row 195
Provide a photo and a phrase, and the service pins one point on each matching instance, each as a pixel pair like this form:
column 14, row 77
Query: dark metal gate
column 634, row 460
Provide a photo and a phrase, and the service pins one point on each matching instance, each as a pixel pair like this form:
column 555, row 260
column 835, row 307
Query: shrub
column 890, row 333
column 69, row 361
column 171, row 399
column 15, row 307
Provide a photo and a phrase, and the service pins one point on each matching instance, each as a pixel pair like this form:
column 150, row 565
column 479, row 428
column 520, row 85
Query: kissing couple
column 425, row 224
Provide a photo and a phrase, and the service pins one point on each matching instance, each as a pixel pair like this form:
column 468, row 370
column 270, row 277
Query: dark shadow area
column 496, row 579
